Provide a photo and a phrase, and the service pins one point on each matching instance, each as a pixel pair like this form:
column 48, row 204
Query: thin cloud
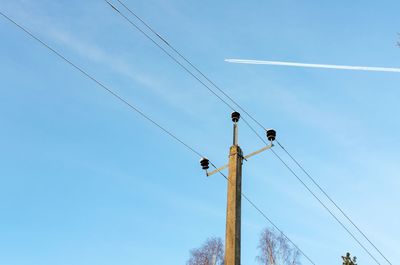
column 99, row 55
column 321, row 66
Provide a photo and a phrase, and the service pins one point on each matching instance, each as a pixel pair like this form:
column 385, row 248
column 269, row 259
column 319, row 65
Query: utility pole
column 233, row 208
column 234, row 198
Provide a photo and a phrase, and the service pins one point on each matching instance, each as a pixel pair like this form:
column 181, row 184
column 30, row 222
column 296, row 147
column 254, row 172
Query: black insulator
column 271, row 134
column 235, row 116
column 204, row 162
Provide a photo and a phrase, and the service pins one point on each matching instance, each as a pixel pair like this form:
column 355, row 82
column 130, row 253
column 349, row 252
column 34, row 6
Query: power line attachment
column 271, row 136
column 205, row 164
column 234, row 194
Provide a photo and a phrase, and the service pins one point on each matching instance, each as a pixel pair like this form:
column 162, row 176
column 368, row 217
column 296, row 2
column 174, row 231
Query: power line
column 113, row 93
column 236, row 104
column 319, row 200
column 326, row 208
column 331, row 200
column 168, row 54
column 189, row 62
column 183, row 66
column 137, row 111
column 267, row 218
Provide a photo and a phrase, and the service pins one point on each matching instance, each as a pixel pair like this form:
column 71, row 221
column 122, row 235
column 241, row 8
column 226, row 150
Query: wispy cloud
column 99, row 55
column 31, row 16
column 311, row 65
column 44, row 25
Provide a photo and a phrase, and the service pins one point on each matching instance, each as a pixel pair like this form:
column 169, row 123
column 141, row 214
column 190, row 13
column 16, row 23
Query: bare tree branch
column 275, row 250
column 210, row 253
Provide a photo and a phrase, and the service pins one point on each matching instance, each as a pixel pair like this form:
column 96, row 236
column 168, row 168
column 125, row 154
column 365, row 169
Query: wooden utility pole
column 234, row 202
column 233, row 209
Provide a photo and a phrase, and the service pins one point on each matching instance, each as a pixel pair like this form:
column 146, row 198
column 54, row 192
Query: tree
column 348, row 261
column 276, row 250
column 210, row 253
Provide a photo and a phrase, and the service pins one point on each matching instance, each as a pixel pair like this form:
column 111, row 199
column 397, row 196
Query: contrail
column 309, row 65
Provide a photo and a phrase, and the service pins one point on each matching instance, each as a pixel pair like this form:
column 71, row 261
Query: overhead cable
column 267, row 218
column 134, row 108
column 331, row 200
column 232, row 108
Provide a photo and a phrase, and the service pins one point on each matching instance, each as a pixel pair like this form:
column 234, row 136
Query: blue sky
column 84, row 180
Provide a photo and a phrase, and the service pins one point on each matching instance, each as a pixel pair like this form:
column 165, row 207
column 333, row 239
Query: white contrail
column 309, row 65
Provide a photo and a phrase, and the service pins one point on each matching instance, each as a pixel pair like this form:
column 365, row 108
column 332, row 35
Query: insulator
column 235, row 116
column 271, row 135
column 204, row 162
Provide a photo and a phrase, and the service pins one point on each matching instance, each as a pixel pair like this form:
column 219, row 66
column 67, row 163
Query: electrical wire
column 182, row 65
column 110, row 91
column 168, row 54
column 326, row 208
column 331, row 200
column 141, row 113
column 189, row 62
column 240, row 107
column 321, row 202
column 267, row 218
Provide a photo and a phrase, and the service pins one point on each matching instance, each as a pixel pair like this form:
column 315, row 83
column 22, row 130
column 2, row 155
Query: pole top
column 235, row 116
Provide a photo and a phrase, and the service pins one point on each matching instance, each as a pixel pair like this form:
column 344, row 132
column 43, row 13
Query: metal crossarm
column 245, row 158
column 216, row 170
column 259, row 151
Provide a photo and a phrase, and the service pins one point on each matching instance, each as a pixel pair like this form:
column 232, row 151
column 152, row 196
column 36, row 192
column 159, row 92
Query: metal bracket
column 259, row 151
column 216, row 170
column 245, row 158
